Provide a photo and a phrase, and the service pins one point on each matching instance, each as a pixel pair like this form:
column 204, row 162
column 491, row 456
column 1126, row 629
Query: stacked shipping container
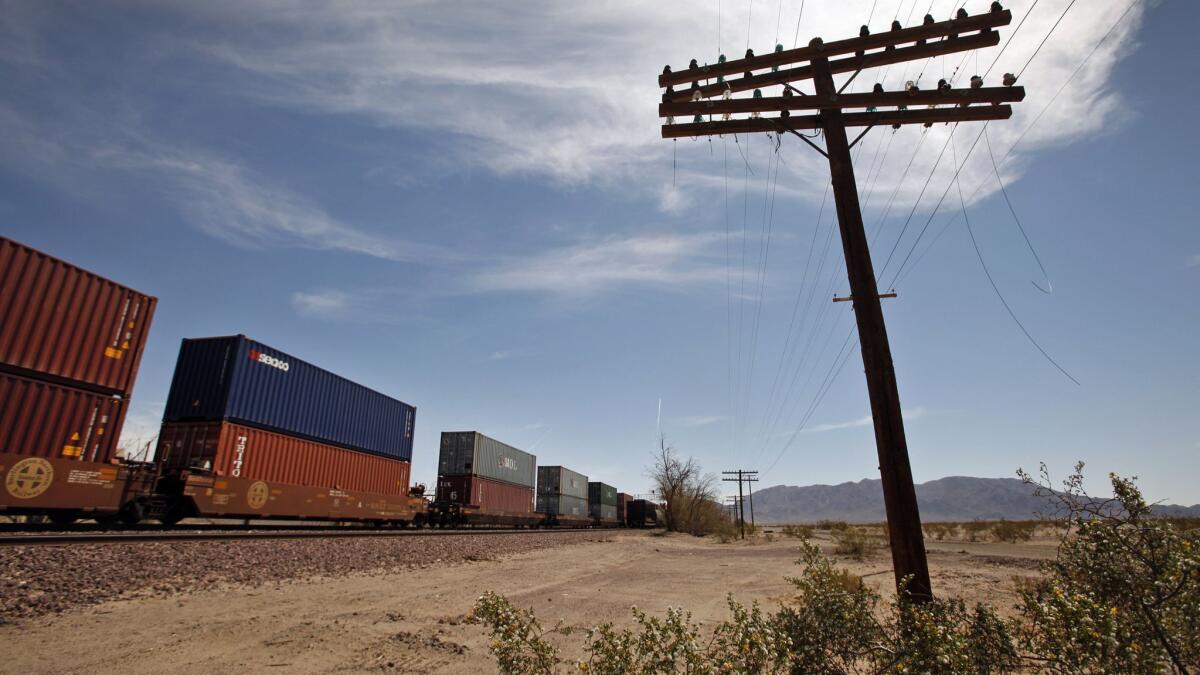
column 243, row 409
column 70, row 345
column 602, row 501
column 65, row 325
column 481, row 472
column 561, row 492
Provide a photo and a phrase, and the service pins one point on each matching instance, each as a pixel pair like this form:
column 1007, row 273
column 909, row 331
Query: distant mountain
column 956, row 498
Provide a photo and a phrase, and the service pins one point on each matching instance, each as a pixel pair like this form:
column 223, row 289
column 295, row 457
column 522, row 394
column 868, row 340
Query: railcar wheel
column 171, row 518
column 64, row 518
column 132, row 513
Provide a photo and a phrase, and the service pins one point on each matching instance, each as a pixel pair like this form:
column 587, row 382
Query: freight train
column 249, row 431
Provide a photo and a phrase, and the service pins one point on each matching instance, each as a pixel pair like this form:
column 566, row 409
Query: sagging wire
column 995, row 167
column 991, row 280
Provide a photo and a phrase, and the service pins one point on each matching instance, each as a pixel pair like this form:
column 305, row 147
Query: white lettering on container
column 240, row 458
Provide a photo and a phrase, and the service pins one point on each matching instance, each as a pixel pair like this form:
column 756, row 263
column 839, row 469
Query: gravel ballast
column 37, row 580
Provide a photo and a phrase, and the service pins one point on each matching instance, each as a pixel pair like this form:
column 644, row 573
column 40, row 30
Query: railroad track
column 65, row 538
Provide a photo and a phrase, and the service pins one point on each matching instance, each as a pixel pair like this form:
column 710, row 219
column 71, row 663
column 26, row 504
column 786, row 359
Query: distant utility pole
column 941, row 104
column 745, row 477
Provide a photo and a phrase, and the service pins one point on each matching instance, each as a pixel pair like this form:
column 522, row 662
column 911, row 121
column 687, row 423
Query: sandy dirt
column 412, row 621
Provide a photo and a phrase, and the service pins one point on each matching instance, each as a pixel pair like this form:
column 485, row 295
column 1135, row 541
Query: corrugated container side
column 602, row 493
column 41, row 419
column 68, row 324
column 241, row 451
column 555, row 480
column 487, row 494
column 562, row 505
column 623, row 504
column 602, row 511
column 465, row 453
column 244, row 381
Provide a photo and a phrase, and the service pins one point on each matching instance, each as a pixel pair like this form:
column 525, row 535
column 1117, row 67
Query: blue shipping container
column 238, row 379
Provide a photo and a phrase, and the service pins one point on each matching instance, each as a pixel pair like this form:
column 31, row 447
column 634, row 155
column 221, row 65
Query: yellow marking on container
column 113, row 353
column 125, row 344
column 72, row 451
column 220, row 485
column 75, row 436
column 100, row 431
column 131, row 324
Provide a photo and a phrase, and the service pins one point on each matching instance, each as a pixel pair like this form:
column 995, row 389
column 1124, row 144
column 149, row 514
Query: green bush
column 833, row 525
column 1122, row 596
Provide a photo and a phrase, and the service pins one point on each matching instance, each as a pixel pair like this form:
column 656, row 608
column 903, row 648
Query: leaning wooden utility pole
column 943, row 104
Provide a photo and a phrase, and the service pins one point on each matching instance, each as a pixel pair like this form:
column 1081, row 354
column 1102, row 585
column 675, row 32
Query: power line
column 1045, row 275
column 996, row 289
column 1010, row 37
column 1043, row 42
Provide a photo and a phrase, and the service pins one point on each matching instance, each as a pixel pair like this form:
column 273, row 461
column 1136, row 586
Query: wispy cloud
column 910, row 414
column 569, row 92
column 659, row 259
column 500, row 355
column 218, row 195
column 1194, row 261
column 391, row 306
column 700, row 420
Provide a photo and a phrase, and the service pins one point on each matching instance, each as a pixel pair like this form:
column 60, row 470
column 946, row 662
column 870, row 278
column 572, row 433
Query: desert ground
column 413, row 620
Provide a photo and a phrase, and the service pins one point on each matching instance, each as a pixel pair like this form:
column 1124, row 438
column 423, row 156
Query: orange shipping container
column 68, row 325
column 239, row 451
column 40, row 419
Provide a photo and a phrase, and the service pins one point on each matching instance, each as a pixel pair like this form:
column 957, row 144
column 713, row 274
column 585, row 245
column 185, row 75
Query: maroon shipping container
column 68, row 325
column 623, row 506
column 485, row 493
column 239, row 451
column 41, row 419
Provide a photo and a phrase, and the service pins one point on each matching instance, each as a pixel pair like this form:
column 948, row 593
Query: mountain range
column 955, row 498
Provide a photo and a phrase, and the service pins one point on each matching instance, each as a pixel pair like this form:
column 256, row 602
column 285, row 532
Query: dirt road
column 412, row 621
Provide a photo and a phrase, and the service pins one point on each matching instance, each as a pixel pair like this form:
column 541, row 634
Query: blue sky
column 470, row 209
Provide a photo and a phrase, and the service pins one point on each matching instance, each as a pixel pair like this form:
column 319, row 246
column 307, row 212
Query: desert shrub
column 833, row 525
column 798, row 531
column 518, row 640
column 941, row 531
column 1123, row 594
column 975, row 529
column 853, row 542
column 1013, row 531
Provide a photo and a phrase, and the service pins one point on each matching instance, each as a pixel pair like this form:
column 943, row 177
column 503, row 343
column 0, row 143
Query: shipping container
column 642, row 513
column 602, row 511
column 559, row 480
column 247, row 382
column 42, row 419
column 623, row 505
column 239, row 451
column 470, row 453
column 484, row 493
column 562, row 505
column 602, row 493
column 67, row 325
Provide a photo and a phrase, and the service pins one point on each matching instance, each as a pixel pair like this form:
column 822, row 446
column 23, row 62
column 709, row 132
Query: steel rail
column 69, row 538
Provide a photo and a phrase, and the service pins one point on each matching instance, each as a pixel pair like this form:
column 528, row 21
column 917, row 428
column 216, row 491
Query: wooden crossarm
column 940, row 29
column 860, row 119
column 890, row 98
column 843, row 65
